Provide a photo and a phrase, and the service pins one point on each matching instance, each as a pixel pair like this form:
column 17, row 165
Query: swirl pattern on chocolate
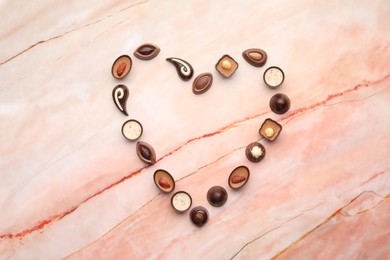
column 183, row 68
column 120, row 94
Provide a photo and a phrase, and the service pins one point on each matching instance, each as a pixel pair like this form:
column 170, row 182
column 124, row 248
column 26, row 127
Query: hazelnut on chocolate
column 226, row 66
column 270, row 129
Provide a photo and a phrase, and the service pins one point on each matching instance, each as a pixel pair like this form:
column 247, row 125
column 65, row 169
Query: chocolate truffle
column 199, row 216
column 217, row 196
column 279, row 103
column 255, row 152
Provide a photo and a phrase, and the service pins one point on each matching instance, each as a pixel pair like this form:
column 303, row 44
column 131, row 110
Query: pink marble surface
column 72, row 187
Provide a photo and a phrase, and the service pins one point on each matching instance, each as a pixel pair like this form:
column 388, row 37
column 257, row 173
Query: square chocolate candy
column 270, row 129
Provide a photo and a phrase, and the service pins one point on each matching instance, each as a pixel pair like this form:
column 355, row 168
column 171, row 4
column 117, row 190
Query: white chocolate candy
column 256, row 152
column 269, row 132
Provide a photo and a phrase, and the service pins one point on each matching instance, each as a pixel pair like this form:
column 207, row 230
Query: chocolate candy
column 255, row 57
column 120, row 94
column 255, row 152
column 199, row 216
column 183, row 68
column 164, row 181
column 279, row 103
column 238, row 177
column 202, row 83
column 273, row 77
column 270, row 129
column 132, row 130
column 217, row 196
column 146, row 153
column 147, row 51
column 121, row 67
column 226, row 66
column 181, row 201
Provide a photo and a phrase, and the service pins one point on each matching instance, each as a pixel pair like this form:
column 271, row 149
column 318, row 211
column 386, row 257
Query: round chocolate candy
column 279, row 103
column 238, row 177
column 181, row 201
column 273, row 77
column 164, row 181
column 217, row 196
column 121, row 67
column 132, row 130
column 199, row 216
column 255, row 152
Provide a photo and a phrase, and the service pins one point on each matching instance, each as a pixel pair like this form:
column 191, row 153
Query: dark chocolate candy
column 199, row 216
column 147, row 51
column 183, row 68
column 120, row 94
column 280, row 103
column 217, row 196
column 255, row 152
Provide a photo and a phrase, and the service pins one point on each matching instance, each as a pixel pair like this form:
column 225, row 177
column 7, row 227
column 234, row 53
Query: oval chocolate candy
column 147, row 51
column 238, row 177
column 146, row 153
column 255, row 57
column 121, row 67
column 183, row 68
column 202, row 83
column 164, row 181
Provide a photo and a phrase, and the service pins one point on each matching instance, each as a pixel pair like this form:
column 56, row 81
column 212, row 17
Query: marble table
column 71, row 186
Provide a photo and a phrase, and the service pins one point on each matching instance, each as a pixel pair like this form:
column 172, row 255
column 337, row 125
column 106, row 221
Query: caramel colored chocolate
column 202, row 83
column 132, row 130
column 146, row 153
column 268, row 134
column 217, row 196
column 226, row 66
column 120, row 94
column 273, row 77
column 199, row 216
column 280, row 103
column 147, row 51
column 255, row 152
column 164, row 181
column 121, row 67
column 255, row 57
column 183, row 68
column 181, row 201
column 238, row 177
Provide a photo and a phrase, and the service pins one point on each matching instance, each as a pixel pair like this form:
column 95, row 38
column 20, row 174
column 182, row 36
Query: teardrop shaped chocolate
column 120, row 94
column 183, row 68
column 255, row 57
column 146, row 153
column 147, row 51
column 202, row 83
